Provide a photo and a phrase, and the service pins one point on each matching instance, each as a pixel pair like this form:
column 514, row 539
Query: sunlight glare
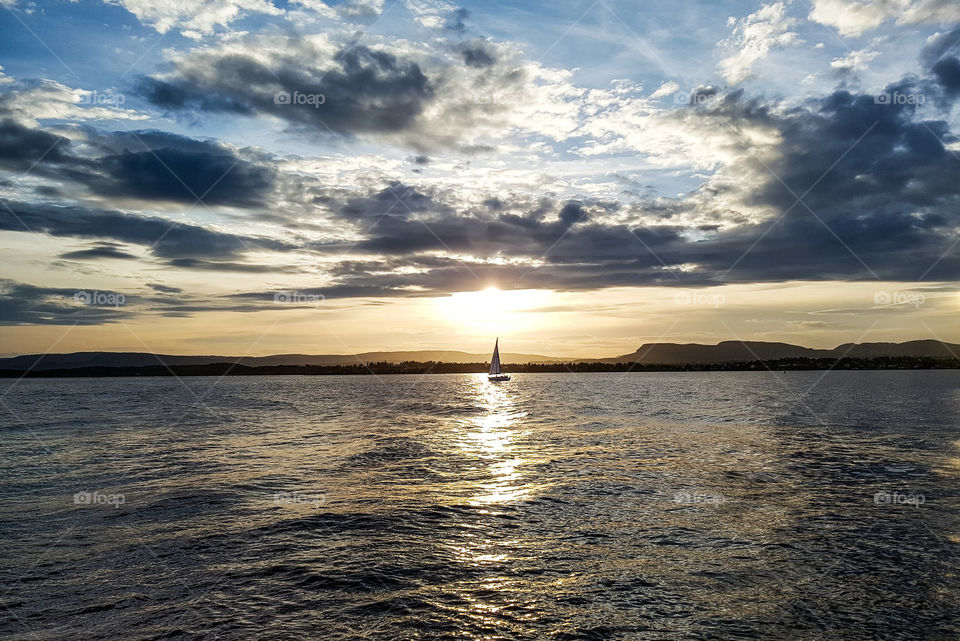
column 493, row 307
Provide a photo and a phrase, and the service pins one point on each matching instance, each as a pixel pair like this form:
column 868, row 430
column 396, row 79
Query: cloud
column 876, row 191
column 193, row 18
column 878, row 186
column 666, row 89
column 231, row 266
column 99, row 250
column 355, row 90
column 947, row 72
column 397, row 199
column 438, row 14
column 355, row 11
column 22, row 147
column 879, row 195
column 164, row 289
column 939, row 45
column 161, row 167
column 878, row 200
column 704, row 135
column 852, row 18
column 754, row 37
column 360, row 9
column 930, row 11
column 29, row 101
column 940, row 55
column 457, row 20
column 855, row 61
column 477, row 53
column 25, row 304
column 166, row 167
column 164, row 238
column 468, row 96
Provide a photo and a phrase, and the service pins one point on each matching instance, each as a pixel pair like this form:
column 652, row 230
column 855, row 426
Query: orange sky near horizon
column 594, row 324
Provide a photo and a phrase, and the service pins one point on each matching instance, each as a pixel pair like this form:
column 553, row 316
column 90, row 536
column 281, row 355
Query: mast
column 495, row 360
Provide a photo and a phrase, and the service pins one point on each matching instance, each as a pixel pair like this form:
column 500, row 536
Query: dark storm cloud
column 101, row 250
column 374, row 278
column 359, row 90
column 940, row 45
column 878, row 188
column 571, row 213
column 880, row 183
column 25, row 304
column 172, row 96
column 556, row 232
column 942, row 57
column 880, row 199
column 477, row 53
column 947, row 73
column 215, row 177
column 164, row 238
column 22, row 147
column 853, row 147
column 146, row 165
column 396, row 199
column 857, row 187
column 155, row 165
column 230, row 266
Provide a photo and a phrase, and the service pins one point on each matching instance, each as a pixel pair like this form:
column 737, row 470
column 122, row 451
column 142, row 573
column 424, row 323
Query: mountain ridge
column 145, row 359
column 648, row 353
column 734, row 351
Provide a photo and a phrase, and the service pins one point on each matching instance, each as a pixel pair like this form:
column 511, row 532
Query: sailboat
column 495, row 373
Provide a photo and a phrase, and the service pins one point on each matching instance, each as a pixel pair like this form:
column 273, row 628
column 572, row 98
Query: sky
column 247, row 177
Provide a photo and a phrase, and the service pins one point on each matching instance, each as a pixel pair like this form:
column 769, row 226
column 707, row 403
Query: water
column 734, row 505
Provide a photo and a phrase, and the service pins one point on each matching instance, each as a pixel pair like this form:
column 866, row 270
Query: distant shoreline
column 434, row 367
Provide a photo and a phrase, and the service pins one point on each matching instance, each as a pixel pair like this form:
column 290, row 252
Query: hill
column 145, row 359
column 738, row 351
column 647, row 354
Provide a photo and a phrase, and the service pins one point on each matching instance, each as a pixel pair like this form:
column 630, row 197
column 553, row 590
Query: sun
column 492, row 308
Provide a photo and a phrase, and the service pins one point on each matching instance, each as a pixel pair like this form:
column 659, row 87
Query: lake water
column 734, row 505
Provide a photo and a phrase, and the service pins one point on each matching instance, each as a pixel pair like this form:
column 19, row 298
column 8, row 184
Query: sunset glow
column 580, row 183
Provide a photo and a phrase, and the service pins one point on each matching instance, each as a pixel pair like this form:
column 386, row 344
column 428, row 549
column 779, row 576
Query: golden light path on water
column 492, row 437
column 494, row 440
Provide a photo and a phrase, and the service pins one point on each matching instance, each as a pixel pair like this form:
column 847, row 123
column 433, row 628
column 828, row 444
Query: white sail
column 495, row 361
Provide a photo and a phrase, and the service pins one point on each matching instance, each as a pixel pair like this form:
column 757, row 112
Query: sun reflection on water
column 493, row 437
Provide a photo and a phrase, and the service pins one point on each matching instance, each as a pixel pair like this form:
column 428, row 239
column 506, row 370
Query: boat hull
column 496, row 378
